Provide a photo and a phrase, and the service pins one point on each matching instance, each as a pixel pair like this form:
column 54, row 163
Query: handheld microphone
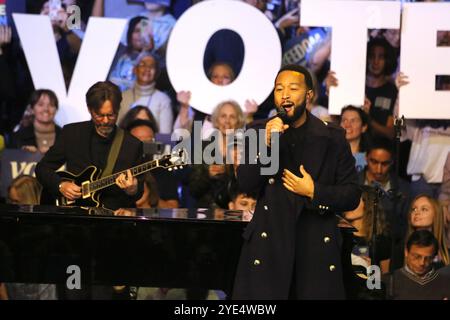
column 281, row 113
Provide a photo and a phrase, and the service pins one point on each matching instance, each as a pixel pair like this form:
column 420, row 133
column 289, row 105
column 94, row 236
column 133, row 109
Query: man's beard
column 103, row 130
column 298, row 112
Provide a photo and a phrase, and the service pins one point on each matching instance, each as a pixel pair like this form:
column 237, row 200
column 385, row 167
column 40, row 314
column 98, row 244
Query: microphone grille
column 281, row 112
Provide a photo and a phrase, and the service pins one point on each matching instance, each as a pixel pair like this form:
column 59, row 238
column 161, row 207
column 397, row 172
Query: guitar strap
column 113, row 153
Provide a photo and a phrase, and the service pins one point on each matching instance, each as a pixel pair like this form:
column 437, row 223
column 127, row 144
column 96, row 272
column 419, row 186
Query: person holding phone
column 161, row 21
column 68, row 42
column 139, row 39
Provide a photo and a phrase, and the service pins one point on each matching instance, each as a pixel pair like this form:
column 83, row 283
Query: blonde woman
column 426, row 213
column 24, row 190
column 207, row 183
column 3, row 293
column 227, row 116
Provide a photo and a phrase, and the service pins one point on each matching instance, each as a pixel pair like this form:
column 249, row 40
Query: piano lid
column 191, row 214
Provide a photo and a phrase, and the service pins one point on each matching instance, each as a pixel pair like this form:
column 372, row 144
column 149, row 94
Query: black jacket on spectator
column 26, row 137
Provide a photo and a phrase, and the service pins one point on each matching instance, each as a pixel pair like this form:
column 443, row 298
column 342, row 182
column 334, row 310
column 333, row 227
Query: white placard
column 188, row 41
column 39, row 46
column 349, row 21
column 421, row 60
column 97, row 52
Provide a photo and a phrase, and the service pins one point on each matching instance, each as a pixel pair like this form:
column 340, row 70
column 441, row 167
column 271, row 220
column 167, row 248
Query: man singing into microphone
column 291, row 247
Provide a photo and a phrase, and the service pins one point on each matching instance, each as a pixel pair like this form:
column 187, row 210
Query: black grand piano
column 178, row 248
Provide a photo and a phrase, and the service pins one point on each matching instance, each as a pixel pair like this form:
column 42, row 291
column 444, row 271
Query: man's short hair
column 101, row 92
column 141, row 123
column 381, row 143
column 299, row 69
column 422, row 238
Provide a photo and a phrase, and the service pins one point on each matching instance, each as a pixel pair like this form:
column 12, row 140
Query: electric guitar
column 91, row 183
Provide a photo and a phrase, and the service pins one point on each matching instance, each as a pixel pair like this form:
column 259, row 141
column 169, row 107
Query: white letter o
column 188, row 40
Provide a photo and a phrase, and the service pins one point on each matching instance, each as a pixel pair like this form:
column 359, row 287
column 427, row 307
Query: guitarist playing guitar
column 101, row 159
column 91, row 143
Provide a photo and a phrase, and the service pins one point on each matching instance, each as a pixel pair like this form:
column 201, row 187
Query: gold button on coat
column 264, row 235
column 256, row 262
column 332, row 267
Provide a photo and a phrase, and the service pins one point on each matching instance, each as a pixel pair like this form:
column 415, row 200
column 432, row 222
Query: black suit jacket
column 73, row 149
column 26, row 137
column 289, row 231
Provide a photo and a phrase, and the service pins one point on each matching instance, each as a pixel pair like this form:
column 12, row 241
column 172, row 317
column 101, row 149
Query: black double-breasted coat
column 292, row 235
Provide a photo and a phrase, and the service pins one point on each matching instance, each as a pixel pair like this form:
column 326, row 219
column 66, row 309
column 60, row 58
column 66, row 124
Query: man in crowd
column 418, row 280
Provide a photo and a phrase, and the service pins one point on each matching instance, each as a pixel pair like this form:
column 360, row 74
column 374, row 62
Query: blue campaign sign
column 15, row 162
column 299, row 49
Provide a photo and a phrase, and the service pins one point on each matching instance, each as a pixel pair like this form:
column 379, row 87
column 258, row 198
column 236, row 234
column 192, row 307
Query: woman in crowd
column 362, row 218
column 426, row 213
column 354, row 121
column 138, row 40
column 24, row 190
column 145, row 94
column 227, row 116
column 40, row 135
column 208, row 184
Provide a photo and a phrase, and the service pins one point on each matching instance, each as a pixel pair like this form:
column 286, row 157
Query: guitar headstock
column 176, row 160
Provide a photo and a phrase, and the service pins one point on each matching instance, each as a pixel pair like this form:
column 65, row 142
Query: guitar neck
column 110, row 180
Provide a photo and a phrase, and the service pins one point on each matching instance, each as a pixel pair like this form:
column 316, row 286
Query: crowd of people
column 402, row 218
